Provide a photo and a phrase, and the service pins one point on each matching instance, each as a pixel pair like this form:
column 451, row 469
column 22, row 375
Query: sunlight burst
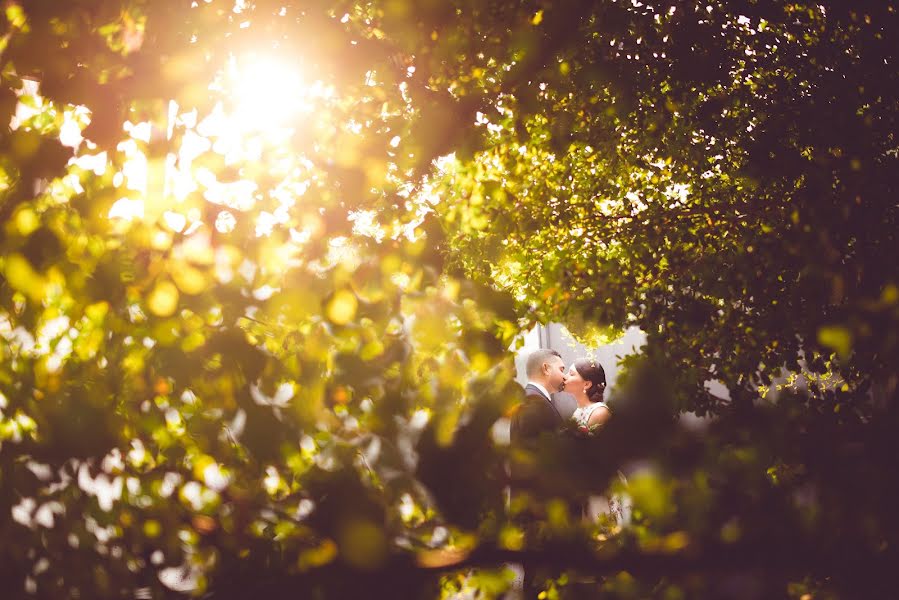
column 269, row 93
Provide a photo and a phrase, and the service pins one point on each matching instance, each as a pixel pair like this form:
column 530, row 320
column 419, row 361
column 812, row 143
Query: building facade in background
column 554, row 336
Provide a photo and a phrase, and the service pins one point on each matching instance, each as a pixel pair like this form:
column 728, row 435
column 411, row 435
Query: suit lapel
column 549, row 401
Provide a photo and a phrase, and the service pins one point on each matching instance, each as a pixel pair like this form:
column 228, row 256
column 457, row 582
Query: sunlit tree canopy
column 263, row 266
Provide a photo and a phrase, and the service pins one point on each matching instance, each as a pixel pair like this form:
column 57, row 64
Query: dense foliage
column 723, row 178
column 256, row 324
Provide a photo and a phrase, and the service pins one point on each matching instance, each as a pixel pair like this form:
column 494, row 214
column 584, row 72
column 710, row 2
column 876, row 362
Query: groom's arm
column 532, row 419
column 528, row 423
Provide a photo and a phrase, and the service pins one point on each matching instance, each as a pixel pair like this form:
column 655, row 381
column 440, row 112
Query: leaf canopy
column 263, row 262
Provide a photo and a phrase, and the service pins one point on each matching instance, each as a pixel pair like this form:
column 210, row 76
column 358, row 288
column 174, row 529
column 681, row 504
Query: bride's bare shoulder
column 600, row 414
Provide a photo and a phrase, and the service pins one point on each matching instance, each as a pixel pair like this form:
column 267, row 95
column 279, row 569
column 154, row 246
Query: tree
column 669, row 168
column 256, row 346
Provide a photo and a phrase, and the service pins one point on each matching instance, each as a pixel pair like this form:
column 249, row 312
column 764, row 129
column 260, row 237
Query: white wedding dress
column 582, row 414
column 616, row 506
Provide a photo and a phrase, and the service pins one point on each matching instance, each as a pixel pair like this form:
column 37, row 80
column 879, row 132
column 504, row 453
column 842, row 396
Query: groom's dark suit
column 536, row 415
column 533, row 432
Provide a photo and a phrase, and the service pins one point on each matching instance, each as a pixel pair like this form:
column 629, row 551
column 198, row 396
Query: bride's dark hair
column 593, row 372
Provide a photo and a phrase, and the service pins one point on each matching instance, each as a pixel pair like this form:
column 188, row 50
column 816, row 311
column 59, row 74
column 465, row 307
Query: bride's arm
column 599, row 417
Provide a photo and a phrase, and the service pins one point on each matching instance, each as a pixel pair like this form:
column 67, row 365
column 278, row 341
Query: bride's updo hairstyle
column 593, row 372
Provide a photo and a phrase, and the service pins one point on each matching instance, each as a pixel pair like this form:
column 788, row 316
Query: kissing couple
column 539, row 413
column 538, row 426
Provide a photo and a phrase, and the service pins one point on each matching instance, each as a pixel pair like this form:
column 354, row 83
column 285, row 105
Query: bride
column 586, row 381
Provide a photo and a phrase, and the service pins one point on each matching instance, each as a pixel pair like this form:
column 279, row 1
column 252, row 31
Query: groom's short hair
column 537, row 358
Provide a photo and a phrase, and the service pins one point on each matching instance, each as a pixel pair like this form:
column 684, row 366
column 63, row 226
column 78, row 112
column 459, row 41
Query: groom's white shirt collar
column 541, row 388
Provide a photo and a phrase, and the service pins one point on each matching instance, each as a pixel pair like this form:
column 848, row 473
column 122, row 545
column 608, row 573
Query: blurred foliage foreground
column 262, row 264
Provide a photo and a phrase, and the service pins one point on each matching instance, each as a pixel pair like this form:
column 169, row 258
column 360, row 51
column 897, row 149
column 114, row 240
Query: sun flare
column 269, row 94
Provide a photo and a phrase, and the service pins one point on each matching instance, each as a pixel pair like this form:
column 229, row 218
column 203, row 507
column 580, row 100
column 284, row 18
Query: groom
column 539, row 413
column 538, row 416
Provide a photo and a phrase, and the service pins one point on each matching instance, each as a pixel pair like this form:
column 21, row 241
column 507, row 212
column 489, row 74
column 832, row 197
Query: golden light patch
column 342, row 307
column 23, row 278
column 163, row 300
column 189, row 279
